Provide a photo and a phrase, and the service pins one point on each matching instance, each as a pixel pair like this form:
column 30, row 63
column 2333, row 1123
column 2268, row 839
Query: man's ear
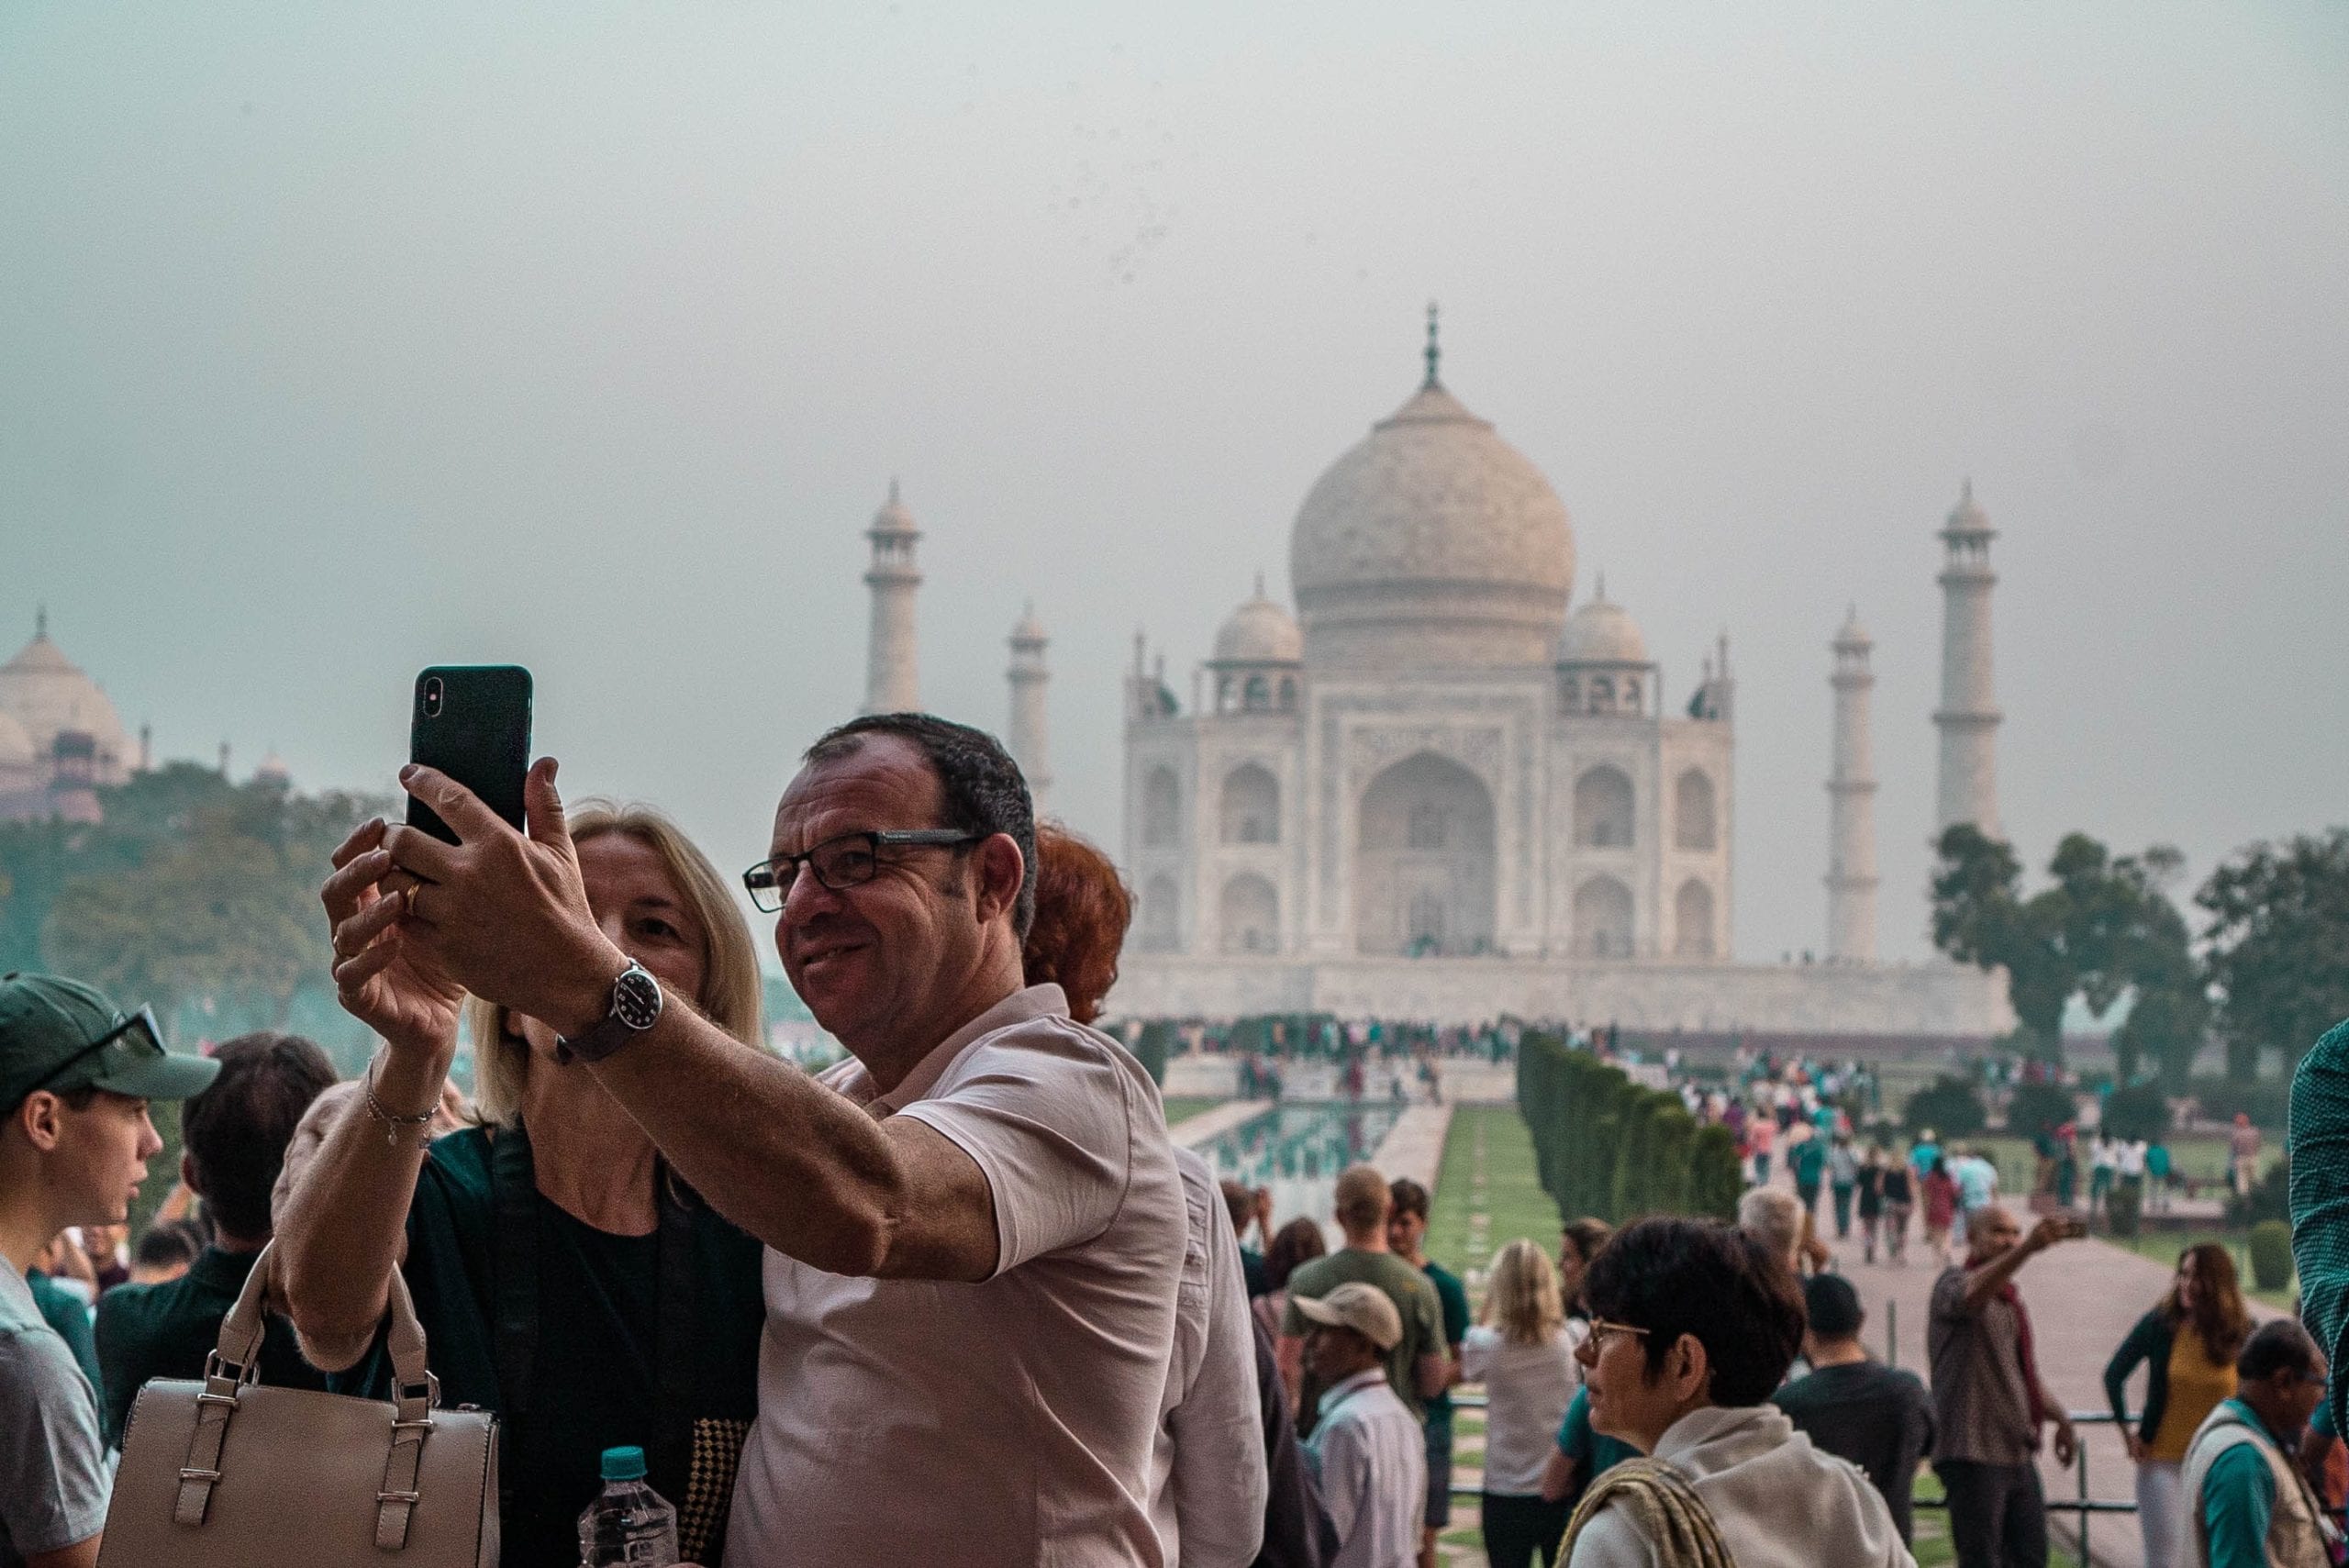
column 187, row 1173
column 1001, row 869
column 39, row 1118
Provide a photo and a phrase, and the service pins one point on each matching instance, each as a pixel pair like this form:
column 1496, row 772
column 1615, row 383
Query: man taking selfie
column 975, row 1225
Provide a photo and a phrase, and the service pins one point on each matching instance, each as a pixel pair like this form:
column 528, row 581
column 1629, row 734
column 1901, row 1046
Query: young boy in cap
column 75, row 1076
column 1366, row 1444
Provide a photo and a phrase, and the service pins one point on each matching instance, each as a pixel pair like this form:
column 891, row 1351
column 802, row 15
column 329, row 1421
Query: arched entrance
column 1424, row 877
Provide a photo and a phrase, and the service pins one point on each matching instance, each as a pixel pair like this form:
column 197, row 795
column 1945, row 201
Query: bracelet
column 422, row 1121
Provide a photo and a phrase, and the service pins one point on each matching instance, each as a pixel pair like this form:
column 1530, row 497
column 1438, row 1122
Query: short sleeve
column 53, row 1466
column 1476, row 1353
column 1431, row 1315
column 1949, row 1296
column 1049, row 1116
column 1452, row 1297
column 2320, row 1197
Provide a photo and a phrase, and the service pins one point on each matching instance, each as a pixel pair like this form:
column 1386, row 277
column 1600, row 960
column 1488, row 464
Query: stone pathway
column 1192, row 1131
column 1415, row 1145
column 2084, row 1297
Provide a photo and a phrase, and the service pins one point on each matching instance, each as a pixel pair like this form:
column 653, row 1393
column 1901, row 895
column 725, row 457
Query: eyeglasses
column 142, row 1022
column 1600, row 1328
column 849, row 860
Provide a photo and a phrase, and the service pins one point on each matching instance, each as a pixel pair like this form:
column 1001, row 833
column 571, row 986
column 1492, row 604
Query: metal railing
column 2082, row 1508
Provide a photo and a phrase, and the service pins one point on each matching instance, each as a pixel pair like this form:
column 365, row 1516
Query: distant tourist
column 235, row 1135
column 1941, row 1208
column 1990, row 1401
column 1842, row 1182
column 1899, row 1203
column 2243, row 1155
column 1578, row 1242
column 2187, row 1344
column 1523, row 1353
column 1977, row 1182
column 77, row 1075
column 165, row 1253
column 1854, row 1406
column 1868, row 1200
column 1407, row 1231
column 1808, row 1162
column 2250, row 1506
column 1694, row 1325
column 1415, row 1362
column 1367, row 1446
column 2104, row 1162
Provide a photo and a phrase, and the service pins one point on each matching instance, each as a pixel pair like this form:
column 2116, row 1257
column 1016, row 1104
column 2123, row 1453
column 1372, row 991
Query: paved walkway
column 1414, row 1147
column 1192, row 1131
column 2084, row 1297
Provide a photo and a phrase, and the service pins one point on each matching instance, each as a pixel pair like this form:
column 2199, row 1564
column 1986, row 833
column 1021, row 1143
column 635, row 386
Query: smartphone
column 471, row 722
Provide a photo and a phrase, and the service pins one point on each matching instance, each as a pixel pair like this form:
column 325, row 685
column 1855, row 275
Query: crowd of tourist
column 960, row 1298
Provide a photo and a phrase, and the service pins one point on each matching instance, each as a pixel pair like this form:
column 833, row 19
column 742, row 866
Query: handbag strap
column 235, row 1363
column 513, row 1274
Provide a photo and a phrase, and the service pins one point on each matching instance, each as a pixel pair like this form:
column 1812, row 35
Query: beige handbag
column 230, row 1472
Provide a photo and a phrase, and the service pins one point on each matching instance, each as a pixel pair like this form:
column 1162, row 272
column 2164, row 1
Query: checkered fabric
column 718, row 1454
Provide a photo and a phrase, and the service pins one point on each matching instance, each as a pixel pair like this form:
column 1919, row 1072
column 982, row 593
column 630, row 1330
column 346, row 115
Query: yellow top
column 2196, row 1384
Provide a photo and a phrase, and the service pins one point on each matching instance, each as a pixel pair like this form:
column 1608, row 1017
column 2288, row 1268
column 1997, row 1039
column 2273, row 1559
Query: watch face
column 636, row 998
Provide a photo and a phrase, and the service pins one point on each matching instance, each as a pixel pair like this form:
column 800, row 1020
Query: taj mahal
column 1433, row 793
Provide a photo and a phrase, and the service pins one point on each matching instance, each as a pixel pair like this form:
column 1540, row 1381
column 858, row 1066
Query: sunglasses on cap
column 135, row 1039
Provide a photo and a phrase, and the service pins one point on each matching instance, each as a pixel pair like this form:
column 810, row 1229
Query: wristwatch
column 636, row 1005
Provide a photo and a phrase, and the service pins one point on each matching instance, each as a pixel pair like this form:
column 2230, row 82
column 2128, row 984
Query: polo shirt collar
column 222, row 1271
column 1018, row 1008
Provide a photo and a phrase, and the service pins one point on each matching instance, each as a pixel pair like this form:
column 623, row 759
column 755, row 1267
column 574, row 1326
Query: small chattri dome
column 1968, row 517
column 1260, row 632
column 1601, row 632
column 893, row 517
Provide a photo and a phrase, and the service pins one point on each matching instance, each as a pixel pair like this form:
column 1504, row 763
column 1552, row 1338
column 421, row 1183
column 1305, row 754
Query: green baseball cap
column 61, row 1035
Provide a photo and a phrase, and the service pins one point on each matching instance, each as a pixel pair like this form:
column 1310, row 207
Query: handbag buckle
column 240, row 1372
column 190, row 1472
column 399, row 1497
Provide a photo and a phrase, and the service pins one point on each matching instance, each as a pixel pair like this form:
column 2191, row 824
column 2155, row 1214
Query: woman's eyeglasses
column 1600, row 1328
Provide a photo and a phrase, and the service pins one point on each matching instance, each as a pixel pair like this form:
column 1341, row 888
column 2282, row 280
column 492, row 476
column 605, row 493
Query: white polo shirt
column 905, row 1421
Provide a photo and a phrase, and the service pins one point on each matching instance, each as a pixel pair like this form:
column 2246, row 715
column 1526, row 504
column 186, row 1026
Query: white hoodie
column 1780, row 1503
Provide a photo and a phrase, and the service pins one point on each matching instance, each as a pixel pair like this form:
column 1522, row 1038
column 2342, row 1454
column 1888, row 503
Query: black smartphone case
column 480, row 735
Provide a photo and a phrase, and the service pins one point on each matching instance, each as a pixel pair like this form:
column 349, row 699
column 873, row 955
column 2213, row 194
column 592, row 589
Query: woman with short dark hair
column 1693, row 1325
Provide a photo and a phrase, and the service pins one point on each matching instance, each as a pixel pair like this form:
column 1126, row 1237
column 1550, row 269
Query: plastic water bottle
column 630, row 1525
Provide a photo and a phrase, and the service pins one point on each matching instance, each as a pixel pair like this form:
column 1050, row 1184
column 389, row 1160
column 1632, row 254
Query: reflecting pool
column 1298, row 1151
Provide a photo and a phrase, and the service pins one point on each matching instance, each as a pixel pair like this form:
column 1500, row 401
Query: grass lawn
column 1509, row 1199
column 1182, row 1108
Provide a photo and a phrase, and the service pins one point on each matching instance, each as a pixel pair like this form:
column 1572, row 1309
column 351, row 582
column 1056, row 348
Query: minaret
column 1027, row 734
column 1968, row 716
column 1851, row 804
column 893, row 668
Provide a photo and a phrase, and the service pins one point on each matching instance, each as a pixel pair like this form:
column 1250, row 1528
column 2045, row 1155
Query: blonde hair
column 1521, row 1299
column 731, row 987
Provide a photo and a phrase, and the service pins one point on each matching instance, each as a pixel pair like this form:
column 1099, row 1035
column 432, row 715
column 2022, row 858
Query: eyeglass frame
column 780, row 887
column 143, row 1019
column 1600, row 1328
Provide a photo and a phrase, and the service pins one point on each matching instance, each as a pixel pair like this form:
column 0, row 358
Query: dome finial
column 1260, row 582
column 40, row 622
column 1434, row 349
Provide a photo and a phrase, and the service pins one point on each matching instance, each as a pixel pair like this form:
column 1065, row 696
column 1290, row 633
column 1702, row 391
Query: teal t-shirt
column 594, row 1380
column 1451, row 1297
column 1809, row 1159
column 1597, row 1453
column 2238, row 1501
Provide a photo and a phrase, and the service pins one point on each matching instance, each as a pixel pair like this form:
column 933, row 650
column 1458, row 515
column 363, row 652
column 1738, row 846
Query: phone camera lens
column 432, row 698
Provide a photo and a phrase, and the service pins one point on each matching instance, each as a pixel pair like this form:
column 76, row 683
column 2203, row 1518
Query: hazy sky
column 339, row 341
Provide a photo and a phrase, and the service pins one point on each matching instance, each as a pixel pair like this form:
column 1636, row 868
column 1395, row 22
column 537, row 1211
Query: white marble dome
column 1431, row 542
column 1601, row 632
column 1260, row 632
column 46, row 693
column 16, row 749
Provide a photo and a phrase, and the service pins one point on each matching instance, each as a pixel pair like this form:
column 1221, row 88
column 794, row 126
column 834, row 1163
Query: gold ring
column 408, row 900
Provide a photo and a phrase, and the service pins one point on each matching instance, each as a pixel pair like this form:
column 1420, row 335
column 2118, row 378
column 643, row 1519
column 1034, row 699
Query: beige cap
column 1365, row 1308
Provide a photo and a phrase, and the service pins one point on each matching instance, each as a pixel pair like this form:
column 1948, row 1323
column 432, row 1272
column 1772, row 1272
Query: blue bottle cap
column 624, row 1464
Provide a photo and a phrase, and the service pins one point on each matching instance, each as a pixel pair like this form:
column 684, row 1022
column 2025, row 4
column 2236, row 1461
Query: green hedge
column 1606, row 1147
column 2271, row 1254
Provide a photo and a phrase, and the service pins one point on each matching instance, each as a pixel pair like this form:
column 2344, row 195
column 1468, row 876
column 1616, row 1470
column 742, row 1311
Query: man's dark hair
column 1702, row 1278
column 981, row 789
column 167, row 1245
column 2278, row 1345
column 1833, row 1306
column 237, row 1131
column 1409, row 1196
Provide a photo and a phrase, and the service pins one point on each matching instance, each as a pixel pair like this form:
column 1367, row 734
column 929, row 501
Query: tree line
column 2264, row 976
column 1611, row 1148
column 192, row 896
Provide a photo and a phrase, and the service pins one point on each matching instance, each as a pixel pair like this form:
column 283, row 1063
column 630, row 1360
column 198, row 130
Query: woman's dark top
column 2148, row 1342
column 605, row 1340
column 1896, row 1185
column 1871, row 1192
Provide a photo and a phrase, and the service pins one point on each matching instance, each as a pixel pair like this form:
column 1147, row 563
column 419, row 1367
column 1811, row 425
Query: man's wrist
column 584, row 999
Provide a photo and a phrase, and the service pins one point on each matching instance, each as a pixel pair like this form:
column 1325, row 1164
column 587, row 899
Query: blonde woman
column 1524, row 1355
column 565, row 1278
